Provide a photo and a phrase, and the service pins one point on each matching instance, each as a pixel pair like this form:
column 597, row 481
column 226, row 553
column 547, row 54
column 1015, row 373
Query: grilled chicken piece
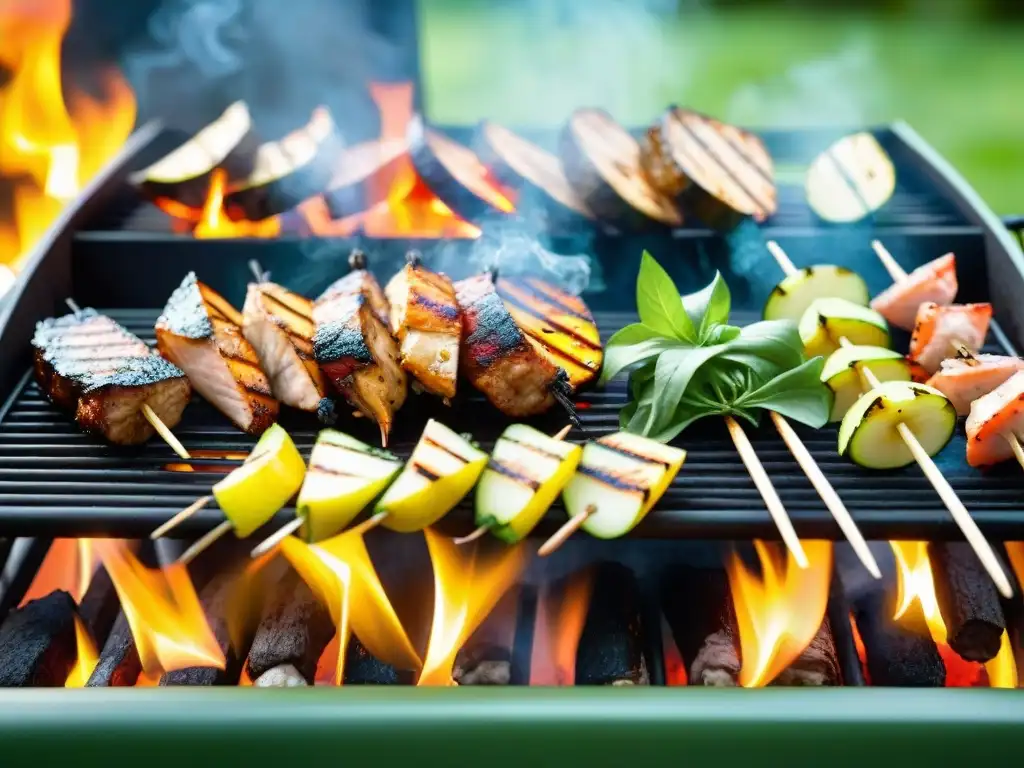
column 993, row 416
column 362, row 280
column 497, row 356
column 935, row 282
column 92, row 367
column 279, row 325
column 200, row 332
column 425, row 319
column 356, row 351
column 965, row 380
column 939, row 329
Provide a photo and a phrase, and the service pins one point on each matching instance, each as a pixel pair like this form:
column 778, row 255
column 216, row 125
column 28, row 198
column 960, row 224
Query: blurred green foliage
column 957, row 78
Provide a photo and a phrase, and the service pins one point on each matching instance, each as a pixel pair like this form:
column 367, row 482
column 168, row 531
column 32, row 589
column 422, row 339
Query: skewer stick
column 567, row 530
column 203, row 543
column 257, row 270
column 181, row 517
column 896, row 272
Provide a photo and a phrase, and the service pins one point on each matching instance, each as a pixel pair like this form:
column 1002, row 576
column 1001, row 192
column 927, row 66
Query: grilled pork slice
column 357, row 353
column 964, row 381
column 993, row 417
column 939, row 329
column 200, row 332
column 934, row 281
column 497, row 356
column 425, row 319
column 89, row 365
column 279, row 325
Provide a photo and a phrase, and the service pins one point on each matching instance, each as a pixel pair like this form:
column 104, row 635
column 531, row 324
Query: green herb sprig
column 687, row 362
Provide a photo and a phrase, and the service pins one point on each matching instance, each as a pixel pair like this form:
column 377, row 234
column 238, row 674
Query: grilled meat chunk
column 964, row 381
column 356, row 351
column 932, row 282
column 279, row 325
column 496, row 355
column 425, row 319
column 92, row 367
column 360, row 280
column 200, row 332
column 939, row 328
column 992, row 418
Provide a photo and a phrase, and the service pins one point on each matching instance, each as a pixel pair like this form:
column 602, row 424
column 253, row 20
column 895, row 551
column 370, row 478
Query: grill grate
column 54, row 480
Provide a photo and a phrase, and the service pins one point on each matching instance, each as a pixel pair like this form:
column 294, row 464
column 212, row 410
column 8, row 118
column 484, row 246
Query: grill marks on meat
column 279, row 325
column 497, row 357
column 201, row 333
column 92, row 367
column 355, row 350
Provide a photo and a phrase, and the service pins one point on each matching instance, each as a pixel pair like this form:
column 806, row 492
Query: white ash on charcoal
column 968, row 601
column 486, row 658
column 37, row 643
column 100, row 606
column 901, row 652
column 611, row 646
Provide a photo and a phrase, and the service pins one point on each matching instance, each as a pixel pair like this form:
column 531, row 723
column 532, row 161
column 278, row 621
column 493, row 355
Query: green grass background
column 958, row 81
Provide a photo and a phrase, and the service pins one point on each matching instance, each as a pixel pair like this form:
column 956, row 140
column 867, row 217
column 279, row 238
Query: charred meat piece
column 201, row 333
column 498, row 358
column 939, row 330
column 993, row 416
column 935, row 282
column 92, row 367
column 355, row 350
column 425, row 319
column 279, row 325
column 964, row 381
column 360, row 280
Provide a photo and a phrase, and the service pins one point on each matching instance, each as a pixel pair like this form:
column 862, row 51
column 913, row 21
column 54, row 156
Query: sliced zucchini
column 869, row 434
column 850, row 180
column 826, row 321
column 791, row 297
column 842, row 373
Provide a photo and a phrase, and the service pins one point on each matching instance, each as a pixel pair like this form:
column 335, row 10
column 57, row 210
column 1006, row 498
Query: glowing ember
column 858, row 644
column 467, row 586
column 779, row 612
column 49, row 150
column 561, row 614
column 199, row 453
column 88, row 657
column 167, row 621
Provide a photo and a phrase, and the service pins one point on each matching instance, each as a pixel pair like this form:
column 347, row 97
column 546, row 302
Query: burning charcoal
column 968, row 601
column 698, row 608
column 486, row 658
column 100, row 606
column 898, row 653
column 119, row 664
column 611, row 645
column 294, row 630
column 37, row 643
column 818, row 665
column 363, row 668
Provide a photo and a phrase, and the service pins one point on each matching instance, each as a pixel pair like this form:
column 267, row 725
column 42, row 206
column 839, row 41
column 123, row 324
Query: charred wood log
column 37, row 643
column 363, row 668
column 611, row 645
column 818, row 664
column 99, row 606
column 119, row 664
column 897, row 653
column 968, row 601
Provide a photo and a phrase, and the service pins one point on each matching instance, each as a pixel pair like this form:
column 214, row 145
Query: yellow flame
column 561, row 614
column 87, row 657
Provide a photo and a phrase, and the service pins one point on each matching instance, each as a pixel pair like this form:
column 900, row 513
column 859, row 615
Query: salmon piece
column 939, row 328
column 498, row 358
column 426, row 321
column 992, row 417
column 357, row 353
column 360, row 280
column 964, row 381
column 200, row 332
column 932, row 282
column 90, row 366
column 279, row 325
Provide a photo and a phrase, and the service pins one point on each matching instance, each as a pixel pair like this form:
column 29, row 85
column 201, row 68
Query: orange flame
column 162, row 608
column 561, row 614
column 214, row 222
column 69, row 565
column 87, row 658
column 45, row 150
column 780, row 612
column 916, row 584
column 467, row 586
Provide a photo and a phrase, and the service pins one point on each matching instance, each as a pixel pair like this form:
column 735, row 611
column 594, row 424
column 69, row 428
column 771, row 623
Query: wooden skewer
column 257, row 270
column 281, row 534
column 181, row 517
column 563, row 534
column 896, row 272
column 202, row 543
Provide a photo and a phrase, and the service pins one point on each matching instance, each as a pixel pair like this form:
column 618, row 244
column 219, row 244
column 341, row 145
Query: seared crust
column 430, row 305
column 360, row 281
column 496, row 355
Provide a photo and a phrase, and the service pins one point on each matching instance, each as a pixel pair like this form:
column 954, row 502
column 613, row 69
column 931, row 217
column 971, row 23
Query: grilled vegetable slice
column 288, row 171
column 720, row 173
column 992, row 418
column 455, row 174
column 344, row 476
column 443, row 468
column 254, row 492
column 935, row 281
column 939, row 329
column 791, row 298
column 526, row 472
column 363, row 176
column 826, row 321
column 557, row 324
column 964, row 381
column 843, row 373
column 534, row 174
column 199, row 331
column 425, row 319
column 279, row 325
column 601, row 160
column 850, row 180
column 620, row 478
column 869, row 434
column 228, row 143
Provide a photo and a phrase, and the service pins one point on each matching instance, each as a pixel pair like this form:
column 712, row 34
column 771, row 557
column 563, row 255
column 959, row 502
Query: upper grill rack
column 54, row 480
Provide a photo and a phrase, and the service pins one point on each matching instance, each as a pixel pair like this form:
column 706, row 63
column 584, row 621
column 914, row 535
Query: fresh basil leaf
column 721, row 334
column 618, row 358
column 673, row 372
column 777, row 341
column 659, row 304
column 797, row 394
column 640, row 378
column 708, row 307
column 684, row 416
column 633, row 333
